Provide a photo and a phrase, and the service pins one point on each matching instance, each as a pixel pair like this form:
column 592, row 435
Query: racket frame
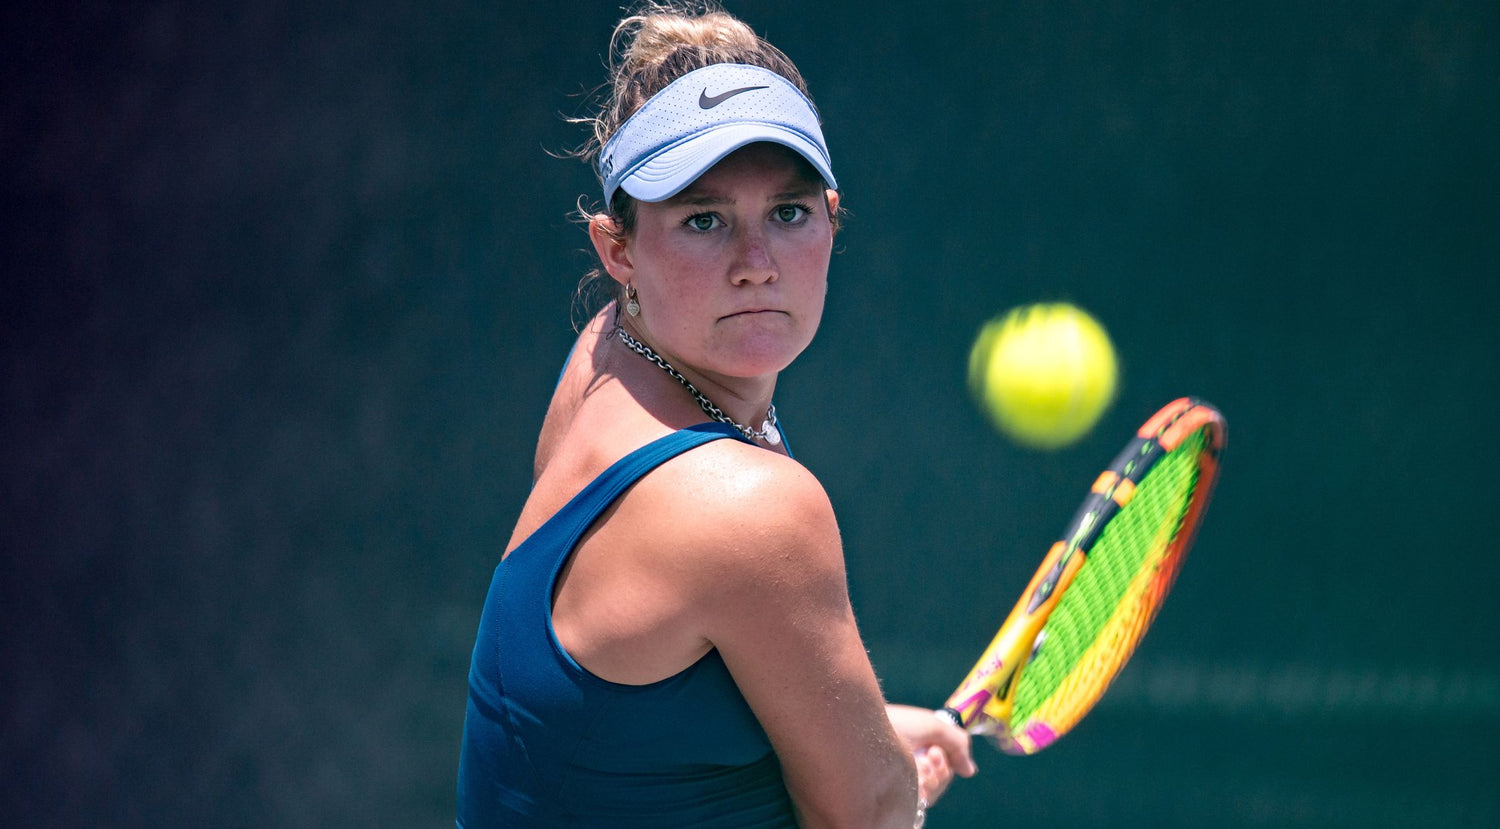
column 983, row 702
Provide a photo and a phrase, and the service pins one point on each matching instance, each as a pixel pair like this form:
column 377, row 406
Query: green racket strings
column 1135, row 537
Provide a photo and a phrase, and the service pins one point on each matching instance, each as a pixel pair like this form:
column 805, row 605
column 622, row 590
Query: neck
column 753, row 421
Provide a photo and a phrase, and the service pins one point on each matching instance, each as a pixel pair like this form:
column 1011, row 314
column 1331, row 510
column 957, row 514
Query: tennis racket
column 1098, row 588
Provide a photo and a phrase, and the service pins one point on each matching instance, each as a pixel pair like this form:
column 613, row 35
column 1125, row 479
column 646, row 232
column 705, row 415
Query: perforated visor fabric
column 702, row 117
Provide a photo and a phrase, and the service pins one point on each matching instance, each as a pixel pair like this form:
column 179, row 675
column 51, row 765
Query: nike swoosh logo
column 707, row 101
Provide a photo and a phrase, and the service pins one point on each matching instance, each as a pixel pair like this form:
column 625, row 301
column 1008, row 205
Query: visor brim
column 668, row 172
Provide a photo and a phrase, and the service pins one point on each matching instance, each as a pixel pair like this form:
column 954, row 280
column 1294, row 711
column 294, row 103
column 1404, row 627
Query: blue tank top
column 546, row 743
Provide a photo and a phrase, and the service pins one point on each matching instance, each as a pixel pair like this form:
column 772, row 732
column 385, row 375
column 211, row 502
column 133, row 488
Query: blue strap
column 576, row 516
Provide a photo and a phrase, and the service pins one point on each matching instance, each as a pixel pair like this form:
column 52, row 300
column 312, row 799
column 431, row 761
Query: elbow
column 890, row 803
column 896, row 805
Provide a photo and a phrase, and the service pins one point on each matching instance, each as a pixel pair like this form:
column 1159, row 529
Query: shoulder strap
column 576, row 516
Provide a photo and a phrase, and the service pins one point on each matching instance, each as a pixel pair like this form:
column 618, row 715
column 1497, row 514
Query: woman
column 668, row 640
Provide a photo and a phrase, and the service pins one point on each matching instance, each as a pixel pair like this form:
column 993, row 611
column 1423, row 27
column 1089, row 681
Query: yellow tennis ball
column 1044, row 373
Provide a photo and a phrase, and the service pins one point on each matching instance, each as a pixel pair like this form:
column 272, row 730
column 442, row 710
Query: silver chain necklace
column 767, row 432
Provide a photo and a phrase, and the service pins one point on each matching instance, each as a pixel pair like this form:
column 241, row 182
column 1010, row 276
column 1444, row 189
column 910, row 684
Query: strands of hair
column 657, row 42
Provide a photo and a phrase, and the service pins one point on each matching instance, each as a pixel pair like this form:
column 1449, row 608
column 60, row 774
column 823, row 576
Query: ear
column 612, row 247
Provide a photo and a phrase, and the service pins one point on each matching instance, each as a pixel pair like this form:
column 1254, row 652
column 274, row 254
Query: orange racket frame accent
column 983, row 702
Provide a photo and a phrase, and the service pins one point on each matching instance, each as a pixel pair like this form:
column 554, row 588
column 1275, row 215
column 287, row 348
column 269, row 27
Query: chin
column 759, row 362
column 765, row 349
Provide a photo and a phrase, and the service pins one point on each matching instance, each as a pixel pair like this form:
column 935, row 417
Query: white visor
column 701, row 117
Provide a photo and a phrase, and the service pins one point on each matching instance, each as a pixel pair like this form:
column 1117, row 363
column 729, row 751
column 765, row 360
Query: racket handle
column 949, row 715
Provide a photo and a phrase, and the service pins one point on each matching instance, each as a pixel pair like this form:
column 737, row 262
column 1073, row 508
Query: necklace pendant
column 773, row 434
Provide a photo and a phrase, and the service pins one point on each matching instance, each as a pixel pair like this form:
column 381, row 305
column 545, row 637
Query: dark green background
column 285, row 286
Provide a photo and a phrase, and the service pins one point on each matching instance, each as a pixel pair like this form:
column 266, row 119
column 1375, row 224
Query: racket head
column 1100, row 586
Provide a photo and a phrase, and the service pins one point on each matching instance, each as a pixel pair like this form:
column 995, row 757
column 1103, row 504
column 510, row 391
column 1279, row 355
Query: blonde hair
column 659, row 42
column 656, row 43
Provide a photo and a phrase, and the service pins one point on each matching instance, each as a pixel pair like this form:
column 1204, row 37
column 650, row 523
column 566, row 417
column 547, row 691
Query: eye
column 702, row 222
column 790, row 213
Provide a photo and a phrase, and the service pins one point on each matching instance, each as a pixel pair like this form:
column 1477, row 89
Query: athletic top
column 546, row 743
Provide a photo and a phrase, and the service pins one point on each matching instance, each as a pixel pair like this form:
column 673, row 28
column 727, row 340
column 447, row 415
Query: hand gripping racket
column 1098, row 588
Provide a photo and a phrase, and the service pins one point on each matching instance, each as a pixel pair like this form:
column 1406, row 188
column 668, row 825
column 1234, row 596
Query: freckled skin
column 732, row 273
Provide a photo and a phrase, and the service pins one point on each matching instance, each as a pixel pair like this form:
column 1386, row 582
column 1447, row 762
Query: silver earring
column 632, row 307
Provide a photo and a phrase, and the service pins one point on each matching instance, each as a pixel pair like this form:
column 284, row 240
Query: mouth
column 751, row 312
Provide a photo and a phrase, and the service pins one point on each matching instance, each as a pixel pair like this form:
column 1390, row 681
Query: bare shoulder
column 760, row 527
column 732, row 491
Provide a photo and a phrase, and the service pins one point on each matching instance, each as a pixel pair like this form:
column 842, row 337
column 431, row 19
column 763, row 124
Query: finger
column 937, row 760
column 939, row 766
column 958, row 746
column 935, row 773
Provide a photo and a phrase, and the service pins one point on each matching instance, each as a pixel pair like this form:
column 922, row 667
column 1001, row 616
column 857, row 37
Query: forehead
column 772, row 166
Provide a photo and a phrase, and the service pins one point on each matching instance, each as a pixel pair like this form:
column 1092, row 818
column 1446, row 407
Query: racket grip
column 949, row 715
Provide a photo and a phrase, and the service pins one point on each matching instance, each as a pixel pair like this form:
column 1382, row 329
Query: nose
column 754, row 262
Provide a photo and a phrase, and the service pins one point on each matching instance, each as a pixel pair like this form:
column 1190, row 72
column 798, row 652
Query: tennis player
column 668, row 641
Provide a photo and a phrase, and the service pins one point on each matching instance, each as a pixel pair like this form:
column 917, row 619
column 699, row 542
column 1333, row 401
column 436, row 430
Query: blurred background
column 285, row 287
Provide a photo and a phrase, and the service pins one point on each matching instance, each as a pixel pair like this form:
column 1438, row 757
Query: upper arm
column 775, row 602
